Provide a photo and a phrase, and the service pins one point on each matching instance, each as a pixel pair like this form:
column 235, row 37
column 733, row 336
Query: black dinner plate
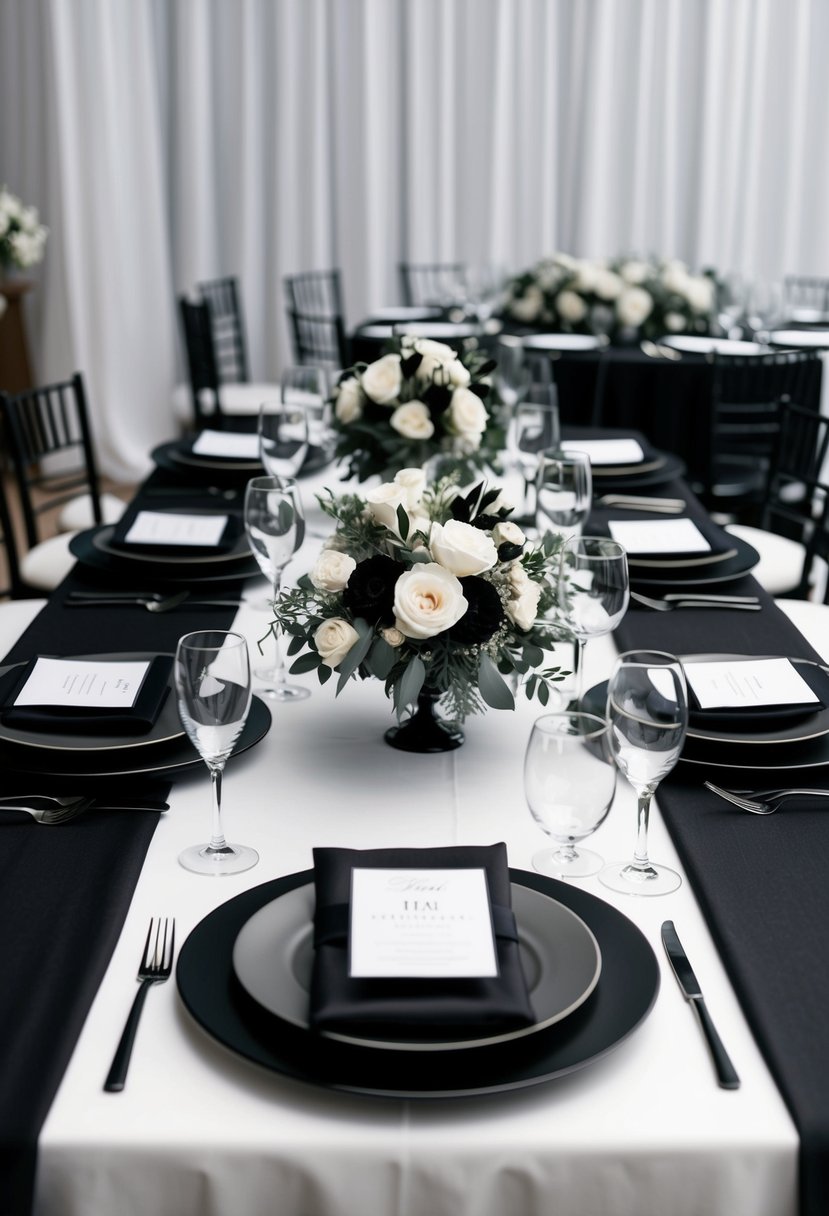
column 655, row 471
column 91, row 548
column 238, row 551
column 217, row 1002
column 167, row 760
column 177, row 457
column 744, row 560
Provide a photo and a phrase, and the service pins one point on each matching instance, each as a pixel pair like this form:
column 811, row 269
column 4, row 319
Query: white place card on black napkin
column 745, row 683
column 421, row 924
column 607, row 451
column 658, row 535
column 241, row 445
column 83, row 683
column 174, row 528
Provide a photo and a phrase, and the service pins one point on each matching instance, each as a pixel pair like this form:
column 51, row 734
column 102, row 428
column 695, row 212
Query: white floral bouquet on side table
column 428, row 588
column 421, row 400
column 623, row 297
column 22, row 236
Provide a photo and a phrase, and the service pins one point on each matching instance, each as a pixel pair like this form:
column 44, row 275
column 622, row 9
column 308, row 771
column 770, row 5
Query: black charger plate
column 622, row 999
column 88, row 548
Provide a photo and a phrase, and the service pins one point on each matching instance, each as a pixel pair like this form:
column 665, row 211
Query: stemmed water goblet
column 564, row 492
column 283, row 431
column 212, row 677
column 647, row 710
column 569, row 783
column 593, row 592
column 275, row 526
column 512, row 373
column 533, row 427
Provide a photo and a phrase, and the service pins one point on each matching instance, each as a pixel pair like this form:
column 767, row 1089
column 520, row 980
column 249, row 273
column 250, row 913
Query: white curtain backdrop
column 168, row 141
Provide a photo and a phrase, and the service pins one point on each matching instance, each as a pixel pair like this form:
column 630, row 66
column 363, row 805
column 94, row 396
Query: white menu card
column 607, row 451
column 84, row 683
column 658, row 535
column 239, row 445
column 171, row 528
column 421, row 924
column 742, row 683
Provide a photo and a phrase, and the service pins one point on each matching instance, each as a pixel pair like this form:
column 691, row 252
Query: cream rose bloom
column 527, row 308
column 466, row 415
column 382, row 379
column 461, row 548
column 571, row 307
column 413, row 482
column 439, row 363
column 332, row 570
column 413, row 421
column 333, row 640
column 608, row 285
column 634, row 272
column 427, row 600
column 507, row 533
column 383, row 501
column 675, row 322
column 522, row 609
column 699, row 292
column 348, row 406
column 392, row 636
column 634, row 306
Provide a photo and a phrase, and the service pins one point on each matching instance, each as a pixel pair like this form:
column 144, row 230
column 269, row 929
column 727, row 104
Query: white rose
column 566, row 260
column 635, row 272
column 413, row 482
column 427, row 601
column 571, row 307
column 382, row 504
column 382, row 379
column 526, row 308
column 333, row 640
column 466, row 415
column 332, row 570
column 413, row 421
column 393, row 636
column 439, row 363
column 675, row 277
column 507, row 533
column 461, row 548
column 699, row 293
column 634, row 305
column 675, row 322
column 608, row 285
column 523, row 609
column 518, row 578
column 349, row 404
column 586, row 274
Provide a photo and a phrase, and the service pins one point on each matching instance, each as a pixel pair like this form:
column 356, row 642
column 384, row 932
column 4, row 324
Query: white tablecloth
column 197, row 1131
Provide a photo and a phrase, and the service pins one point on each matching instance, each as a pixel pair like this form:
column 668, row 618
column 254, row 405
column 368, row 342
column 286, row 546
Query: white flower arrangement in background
column 614, row 298
column 22, row 236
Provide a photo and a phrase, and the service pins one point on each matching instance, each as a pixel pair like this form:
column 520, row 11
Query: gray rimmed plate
column 273, row 957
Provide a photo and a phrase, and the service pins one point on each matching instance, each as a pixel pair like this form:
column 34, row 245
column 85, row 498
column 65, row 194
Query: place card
column 607, row 451
column 84, row 683
column 239, row 445
column 172, row 528
column 421, row 924
column 658, row 535
column 745, row 683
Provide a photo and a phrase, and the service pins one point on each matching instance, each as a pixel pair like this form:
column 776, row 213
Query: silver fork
column 153, row 604
column 156, row 966
column 47, row 809
column 763, row 802
column 692, row 602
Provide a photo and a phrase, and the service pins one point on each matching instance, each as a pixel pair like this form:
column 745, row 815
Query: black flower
column 484, row 615
column 369, row 592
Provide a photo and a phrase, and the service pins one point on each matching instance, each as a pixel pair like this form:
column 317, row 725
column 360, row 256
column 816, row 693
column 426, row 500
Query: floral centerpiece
column 421, row 400
column 625, row 297
column 22, row 236
column 433, row 590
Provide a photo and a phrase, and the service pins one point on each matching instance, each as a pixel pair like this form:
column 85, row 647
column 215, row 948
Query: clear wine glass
column 647, row 709
column 593, row 591
column 275, row 525
column 569, row 783
column 309, row 389
column 564, row 492
column 533, row 427
column 212, row 676
column 512, row 373
column 283, row 432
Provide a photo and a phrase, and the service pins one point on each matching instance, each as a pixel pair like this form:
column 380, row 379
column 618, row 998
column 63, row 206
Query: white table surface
column 643, row 1132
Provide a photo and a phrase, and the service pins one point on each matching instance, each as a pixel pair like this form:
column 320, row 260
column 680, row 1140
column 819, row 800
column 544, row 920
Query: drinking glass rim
column 185, row 641
column 272, row 482
column 596, row 557
column 603, row 726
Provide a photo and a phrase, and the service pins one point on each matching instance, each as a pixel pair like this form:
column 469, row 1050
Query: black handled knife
column 726, row 1072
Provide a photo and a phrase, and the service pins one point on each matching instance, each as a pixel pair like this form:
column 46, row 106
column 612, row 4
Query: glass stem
column 640, row 853
column 578, row 669
column 218, row 844
column 279, row 666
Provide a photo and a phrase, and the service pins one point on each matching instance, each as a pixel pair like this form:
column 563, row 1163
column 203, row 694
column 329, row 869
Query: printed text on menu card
column 83, row 683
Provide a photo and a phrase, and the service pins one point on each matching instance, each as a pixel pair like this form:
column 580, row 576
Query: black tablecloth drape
column 762, row 881
column 65, row 891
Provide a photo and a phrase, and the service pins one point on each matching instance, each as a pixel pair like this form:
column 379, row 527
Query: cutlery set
column 634, row 502
column 676, row 599
column 763, row 802
column 50, row 810
column 153, row 601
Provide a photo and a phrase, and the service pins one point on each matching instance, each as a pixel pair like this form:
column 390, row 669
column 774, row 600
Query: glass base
column 630, row 879
column 557, row 865
column 232, row 859
column 277, row 691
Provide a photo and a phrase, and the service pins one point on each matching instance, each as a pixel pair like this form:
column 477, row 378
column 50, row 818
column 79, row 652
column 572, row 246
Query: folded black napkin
column 136, row 720
column 423, row 1008
column 760, row 716
column 228, row 539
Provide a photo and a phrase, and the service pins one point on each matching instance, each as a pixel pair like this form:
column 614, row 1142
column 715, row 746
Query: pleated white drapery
column 168, row 141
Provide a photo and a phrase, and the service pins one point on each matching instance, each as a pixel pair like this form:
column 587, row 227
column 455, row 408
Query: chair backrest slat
column 223, row 300
column 425, row 283
column 315, row 319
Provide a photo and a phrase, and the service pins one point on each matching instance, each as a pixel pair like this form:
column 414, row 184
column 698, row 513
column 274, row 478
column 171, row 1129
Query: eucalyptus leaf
column 305, row 662
column 492, row 686
column 381, row 658
column 410, row 684
column 402, row 521
column 355, row 655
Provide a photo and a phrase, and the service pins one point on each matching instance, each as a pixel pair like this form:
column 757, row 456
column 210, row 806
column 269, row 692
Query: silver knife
column 726, row 1073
